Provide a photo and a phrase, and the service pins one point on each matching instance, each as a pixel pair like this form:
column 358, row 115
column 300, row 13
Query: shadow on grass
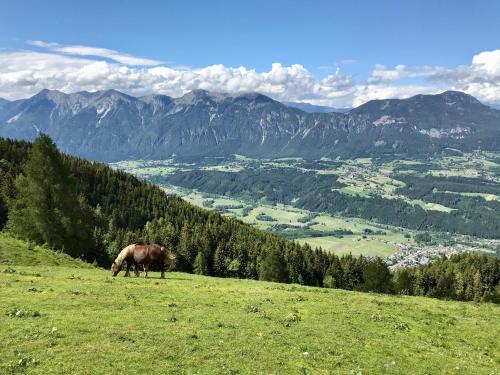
column 141, row 277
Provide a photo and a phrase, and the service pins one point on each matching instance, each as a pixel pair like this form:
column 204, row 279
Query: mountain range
column 110, row 125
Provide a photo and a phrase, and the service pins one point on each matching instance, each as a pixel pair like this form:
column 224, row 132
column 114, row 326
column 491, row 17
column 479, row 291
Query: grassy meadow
column 62, row 316
column 356, row 245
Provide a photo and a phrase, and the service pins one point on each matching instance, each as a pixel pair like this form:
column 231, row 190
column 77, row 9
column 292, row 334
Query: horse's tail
column 168, row 253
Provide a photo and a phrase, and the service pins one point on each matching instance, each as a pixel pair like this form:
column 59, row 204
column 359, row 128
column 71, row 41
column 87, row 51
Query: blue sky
column 353, row 42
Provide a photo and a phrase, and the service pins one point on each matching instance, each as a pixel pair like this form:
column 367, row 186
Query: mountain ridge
column 110, row 125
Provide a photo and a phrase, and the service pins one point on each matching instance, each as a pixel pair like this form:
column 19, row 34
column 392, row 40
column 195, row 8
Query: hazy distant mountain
column 3, row 101
column 311, row 108
column 109, row 125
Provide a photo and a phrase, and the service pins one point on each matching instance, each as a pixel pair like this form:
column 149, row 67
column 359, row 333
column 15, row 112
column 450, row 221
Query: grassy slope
column 16, row 252
column 91, row 323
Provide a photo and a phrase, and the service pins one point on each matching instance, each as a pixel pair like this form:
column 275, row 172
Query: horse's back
column 147, row 253
column 140, row 253
column 156, row 252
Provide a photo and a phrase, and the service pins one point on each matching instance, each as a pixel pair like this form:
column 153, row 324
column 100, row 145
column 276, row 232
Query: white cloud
column 77, row 68
column 488, row 61
column 79, row 50
column 481, row 79
column 381, row 74
column 24, row 73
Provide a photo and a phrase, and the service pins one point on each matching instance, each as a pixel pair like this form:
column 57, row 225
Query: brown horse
column 142, row 254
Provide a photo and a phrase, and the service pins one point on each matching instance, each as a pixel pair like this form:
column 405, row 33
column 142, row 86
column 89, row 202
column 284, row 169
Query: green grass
column 282, row 214
column 17, row 252
column 90, row 323
column 430, row 206
column 354, row 244
column 331, row 223
column 354, row 191
column 487, row 197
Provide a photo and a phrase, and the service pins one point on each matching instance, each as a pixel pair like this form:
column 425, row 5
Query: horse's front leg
column 136, row 269
column 146, row 269
column 127, row 272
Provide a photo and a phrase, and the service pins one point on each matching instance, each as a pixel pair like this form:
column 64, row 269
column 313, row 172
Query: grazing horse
column 142, row 254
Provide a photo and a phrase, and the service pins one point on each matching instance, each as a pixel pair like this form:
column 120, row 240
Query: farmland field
column 62, row 316
column 357, row 245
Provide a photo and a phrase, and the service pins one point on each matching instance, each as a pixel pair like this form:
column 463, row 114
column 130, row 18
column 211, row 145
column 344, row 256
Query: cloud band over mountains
column 71, row 68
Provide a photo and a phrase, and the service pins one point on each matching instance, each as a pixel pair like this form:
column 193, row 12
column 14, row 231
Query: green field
column 357, row 226
column 282, row 214
column 356, row 245
column 61, row 316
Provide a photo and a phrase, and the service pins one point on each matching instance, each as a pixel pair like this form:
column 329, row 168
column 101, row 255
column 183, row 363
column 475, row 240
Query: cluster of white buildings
column 411, row 255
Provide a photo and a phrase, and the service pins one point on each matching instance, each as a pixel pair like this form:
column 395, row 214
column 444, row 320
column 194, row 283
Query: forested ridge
column 97, row 211
column 316, row 192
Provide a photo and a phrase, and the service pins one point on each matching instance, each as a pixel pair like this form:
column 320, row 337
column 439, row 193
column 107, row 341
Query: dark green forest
column 472, row 215
column 91, row 211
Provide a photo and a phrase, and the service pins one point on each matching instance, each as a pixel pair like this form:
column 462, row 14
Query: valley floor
column 73, row 318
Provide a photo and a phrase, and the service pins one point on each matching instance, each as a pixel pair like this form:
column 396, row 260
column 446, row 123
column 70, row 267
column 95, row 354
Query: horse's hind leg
column 146, row 269
column 162, row 269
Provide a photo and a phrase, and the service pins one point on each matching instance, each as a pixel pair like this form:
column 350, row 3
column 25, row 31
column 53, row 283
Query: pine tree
column 46, row 208
column 273, row 266
column 477, row 286
column 186, row 249
column 220, row 261
column 200, row 264
column 376, row 277
column 403, row 283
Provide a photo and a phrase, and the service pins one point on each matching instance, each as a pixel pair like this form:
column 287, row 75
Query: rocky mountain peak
column 454, row 97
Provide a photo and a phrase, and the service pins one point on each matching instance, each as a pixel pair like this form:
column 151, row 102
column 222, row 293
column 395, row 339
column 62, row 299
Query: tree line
column 91, row 211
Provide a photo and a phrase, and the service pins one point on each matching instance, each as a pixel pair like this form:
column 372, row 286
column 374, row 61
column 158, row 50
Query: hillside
column 80, row 320
column 14, row 252
column 111, row 126
column 119, row 209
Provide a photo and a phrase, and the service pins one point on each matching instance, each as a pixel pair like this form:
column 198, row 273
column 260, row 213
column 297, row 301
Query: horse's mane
column 124, row 254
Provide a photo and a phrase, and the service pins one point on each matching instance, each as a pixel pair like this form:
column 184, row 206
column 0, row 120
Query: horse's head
column 115, row 269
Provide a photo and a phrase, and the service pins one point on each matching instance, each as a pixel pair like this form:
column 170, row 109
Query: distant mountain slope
column 109, row 125
column 311, row 108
